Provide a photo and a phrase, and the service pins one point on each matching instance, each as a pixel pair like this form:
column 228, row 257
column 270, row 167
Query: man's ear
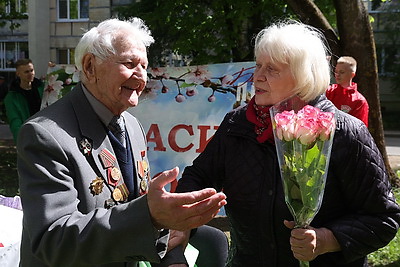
column 89, row 67
column 353, row 74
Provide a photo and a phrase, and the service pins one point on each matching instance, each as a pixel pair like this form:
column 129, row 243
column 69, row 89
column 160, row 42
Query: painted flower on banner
column 303, row 142
column 191, row 91
column 189, row 80
column 198, row 75
column 53, row 88
column 60, row 80
column 227, row 80
column 159, row 72
column 75, row 74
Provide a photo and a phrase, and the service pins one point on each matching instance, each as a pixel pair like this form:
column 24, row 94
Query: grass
column 388, row 256
column 8, row 169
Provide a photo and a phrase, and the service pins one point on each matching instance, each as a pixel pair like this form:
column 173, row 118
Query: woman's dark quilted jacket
column 358, row 205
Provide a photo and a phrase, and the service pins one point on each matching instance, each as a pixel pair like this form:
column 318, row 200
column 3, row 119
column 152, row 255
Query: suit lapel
column 91, row 127
column 139, row 151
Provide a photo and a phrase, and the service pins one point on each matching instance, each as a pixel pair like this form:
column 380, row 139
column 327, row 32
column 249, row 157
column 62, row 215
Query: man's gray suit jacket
column 64, row 223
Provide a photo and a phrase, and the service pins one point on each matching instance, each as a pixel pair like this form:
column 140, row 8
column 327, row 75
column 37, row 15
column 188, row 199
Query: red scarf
column 259, row 115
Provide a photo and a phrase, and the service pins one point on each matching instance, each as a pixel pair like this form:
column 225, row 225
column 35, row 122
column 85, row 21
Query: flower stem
column 304, row 264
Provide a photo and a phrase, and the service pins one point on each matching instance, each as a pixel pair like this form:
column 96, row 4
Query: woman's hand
column 310, row 242
column 177, row 238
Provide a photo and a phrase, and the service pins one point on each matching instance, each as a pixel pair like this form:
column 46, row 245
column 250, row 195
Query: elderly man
column 84, row 176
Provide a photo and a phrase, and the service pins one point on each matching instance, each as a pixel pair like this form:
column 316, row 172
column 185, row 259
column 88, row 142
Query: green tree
column 11, row 11
column 206, row 31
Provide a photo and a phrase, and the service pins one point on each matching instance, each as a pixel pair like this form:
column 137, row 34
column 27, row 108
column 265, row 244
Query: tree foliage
column 206, row 31
column 10, row 13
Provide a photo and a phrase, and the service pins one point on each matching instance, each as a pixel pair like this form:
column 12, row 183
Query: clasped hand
column 308, row 243
column 181, row 211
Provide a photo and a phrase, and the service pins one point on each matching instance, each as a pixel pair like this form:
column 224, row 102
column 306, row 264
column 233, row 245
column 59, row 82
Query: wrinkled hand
column 307, row 244
column 181, row 211
column 177, row 238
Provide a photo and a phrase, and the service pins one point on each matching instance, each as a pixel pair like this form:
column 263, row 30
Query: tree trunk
column 310, row 14
column 356, row 40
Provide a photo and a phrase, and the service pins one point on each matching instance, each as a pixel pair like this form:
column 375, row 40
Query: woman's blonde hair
column 302, row 47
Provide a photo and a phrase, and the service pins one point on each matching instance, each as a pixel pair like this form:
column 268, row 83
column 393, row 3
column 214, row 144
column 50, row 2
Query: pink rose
column 285, row 125
column 308, row 125
column 308, row 111
column 327, row 125
column 307, row 130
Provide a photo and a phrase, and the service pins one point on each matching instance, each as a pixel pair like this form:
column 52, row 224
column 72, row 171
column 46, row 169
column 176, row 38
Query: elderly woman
column 358, row 214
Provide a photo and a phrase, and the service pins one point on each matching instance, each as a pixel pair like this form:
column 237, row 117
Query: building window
column 388, row 59
column 121, row 2
column 11, row 52
column 16, row 6
column 73, row 10
column 66, row 56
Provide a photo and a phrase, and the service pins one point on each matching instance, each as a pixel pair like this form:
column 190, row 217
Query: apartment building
column 51, row 32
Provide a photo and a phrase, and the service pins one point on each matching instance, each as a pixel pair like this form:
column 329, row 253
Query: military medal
column 143, row 186
column 117, row 194
column 109, row 203
column 85, row 146
column 120, row 193
column 143, row 171
column 114, row 175
column 96, row 186
column 107, row 158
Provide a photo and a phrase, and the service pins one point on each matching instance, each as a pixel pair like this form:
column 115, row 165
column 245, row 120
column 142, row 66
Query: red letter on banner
column 172, row 137
column 203, row 141
column 156, row 139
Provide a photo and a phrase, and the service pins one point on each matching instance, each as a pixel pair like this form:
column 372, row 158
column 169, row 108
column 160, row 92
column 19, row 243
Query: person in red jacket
column 344, row 94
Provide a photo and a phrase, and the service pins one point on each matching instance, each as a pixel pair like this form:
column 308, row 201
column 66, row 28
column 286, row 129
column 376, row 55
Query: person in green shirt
column 24, row 96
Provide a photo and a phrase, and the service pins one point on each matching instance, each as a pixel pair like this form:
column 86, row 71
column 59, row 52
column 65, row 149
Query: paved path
column 392, row 144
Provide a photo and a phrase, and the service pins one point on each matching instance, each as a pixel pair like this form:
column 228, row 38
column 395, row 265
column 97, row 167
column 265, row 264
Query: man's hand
column 308, row 243
column 181, row 211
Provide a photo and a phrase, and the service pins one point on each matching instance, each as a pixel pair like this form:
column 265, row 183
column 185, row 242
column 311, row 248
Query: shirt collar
column 99, row 108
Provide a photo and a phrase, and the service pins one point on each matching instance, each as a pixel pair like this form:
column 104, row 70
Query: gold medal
column 120, row 193
column 117, row 194
column 143, row 186
column 145, row 166
column 96, row 186
column 115, row 174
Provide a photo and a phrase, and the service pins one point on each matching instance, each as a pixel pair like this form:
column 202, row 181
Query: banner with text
column 180, row 109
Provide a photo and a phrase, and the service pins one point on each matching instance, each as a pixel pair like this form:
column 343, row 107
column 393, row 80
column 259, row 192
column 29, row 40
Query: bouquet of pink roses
column 303, row 142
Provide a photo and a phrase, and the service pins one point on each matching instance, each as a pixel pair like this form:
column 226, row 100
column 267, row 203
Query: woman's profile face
column 273, row 82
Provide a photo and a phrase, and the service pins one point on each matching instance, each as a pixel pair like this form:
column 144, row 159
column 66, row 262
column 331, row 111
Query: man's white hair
column 100, row 40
